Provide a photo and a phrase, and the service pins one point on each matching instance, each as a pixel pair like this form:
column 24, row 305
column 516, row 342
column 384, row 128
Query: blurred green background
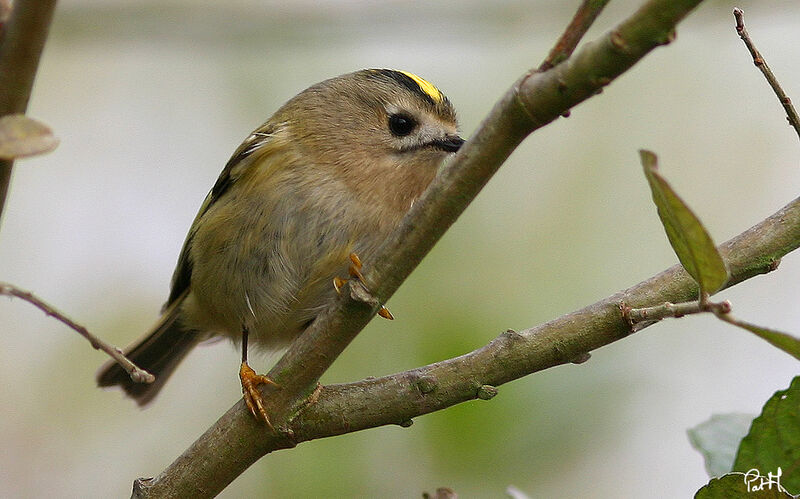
column 149, row 100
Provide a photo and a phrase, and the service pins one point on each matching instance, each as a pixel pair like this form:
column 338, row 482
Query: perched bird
column 330, row 174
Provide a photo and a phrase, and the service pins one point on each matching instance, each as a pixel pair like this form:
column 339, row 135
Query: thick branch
column 397, row 398
column 537, row 99
column 21, row 43
column 236, row 441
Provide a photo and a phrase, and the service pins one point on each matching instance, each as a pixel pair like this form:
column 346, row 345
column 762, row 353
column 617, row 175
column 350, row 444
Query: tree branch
column 21, row 42
column 535, row 100
column 236, row 440
column 399, row 397
column 396, row 399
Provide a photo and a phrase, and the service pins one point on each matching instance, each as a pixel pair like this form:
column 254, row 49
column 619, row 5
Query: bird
column 316, row 188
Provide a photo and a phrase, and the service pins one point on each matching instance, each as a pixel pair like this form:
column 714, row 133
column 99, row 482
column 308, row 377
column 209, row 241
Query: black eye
column 401, row 124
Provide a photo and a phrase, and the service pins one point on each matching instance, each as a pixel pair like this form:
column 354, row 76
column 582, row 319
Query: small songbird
column 330, row 174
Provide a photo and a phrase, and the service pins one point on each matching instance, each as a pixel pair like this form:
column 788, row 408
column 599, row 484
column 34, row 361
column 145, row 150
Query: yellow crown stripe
column 426, row 86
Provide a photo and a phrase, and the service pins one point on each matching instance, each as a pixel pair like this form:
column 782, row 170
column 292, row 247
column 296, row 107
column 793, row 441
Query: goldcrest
column 330, row 174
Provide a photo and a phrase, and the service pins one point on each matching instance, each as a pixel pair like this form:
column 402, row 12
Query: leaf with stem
column 689, row 239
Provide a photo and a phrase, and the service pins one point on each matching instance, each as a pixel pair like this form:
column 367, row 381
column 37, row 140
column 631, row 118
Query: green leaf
column 695, row 249
column 734, row 486
column 785, row 342
column 22, row 136
column 774, row 438
column 718, row 440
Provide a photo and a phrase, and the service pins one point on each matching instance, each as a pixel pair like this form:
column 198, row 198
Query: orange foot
column 252, row 397
column 355, row 272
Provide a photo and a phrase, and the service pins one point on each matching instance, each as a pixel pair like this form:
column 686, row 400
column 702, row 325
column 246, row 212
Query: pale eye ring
column 401, row 124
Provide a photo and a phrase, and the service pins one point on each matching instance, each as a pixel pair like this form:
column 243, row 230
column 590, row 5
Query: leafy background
column 150, row 98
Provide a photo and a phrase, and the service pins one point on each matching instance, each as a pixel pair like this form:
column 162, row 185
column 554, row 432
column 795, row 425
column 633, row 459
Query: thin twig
column 581, row 21
column 675, row 310
column 761, row 63
column 137, row 374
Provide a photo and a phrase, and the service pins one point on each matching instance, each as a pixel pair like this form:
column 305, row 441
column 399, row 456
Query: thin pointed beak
column 450, row 143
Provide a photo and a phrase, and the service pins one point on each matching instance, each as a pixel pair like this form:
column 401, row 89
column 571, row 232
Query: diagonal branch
column 236, row 441
column 534, row 101
column 397, row 398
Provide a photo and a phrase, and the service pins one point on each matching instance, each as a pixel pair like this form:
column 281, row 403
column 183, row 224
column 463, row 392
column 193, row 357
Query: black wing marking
column 183, row 271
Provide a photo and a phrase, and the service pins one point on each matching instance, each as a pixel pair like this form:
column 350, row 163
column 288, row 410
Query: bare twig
column 761, row 63
column 676, row 310
column 21, row 42
column 137, row 374
column 580, row 24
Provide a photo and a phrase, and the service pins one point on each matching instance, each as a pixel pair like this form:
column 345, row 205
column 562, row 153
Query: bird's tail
column 158, row 352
